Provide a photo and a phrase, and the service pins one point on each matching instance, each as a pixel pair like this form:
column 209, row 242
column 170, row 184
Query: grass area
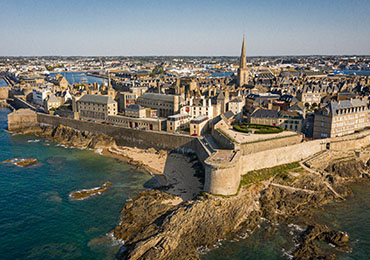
column 281, row 171
column 259, row 128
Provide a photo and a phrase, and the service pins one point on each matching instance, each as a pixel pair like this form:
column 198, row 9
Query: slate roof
column 156, row 96
column 265, row 113
column 334, row 106
column 96, row 99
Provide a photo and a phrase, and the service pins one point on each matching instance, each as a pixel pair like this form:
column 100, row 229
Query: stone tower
column 243, row 74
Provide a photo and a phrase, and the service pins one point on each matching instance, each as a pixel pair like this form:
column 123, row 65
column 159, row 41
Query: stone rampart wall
column 223, row 178
column 22, row 120
column 353, row 142
column 223, row 140
column 278, row 156
column 259, row 146
column 124, row 136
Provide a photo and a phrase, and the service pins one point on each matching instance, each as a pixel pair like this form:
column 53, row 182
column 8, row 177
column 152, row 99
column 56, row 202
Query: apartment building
column 341, row 118
column 96, row 107
column 166, row 105
column 196, row 107
column 177, row 122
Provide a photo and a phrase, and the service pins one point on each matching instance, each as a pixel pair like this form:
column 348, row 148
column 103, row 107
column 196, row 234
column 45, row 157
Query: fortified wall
column 125, row 136
column 223, row 167
column 223, row 175
column 22, row 119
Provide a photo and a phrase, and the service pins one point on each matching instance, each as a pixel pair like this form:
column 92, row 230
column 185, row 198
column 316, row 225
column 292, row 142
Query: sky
column 184, row 27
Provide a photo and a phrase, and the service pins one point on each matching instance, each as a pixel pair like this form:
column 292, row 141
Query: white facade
column 40, row 95
column 236, row 105
column 176, row 122
column 202, row 107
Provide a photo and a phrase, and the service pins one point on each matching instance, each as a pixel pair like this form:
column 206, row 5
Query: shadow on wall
column 183, row 176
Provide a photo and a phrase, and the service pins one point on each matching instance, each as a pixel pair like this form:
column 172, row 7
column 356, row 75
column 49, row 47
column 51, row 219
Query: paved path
column 293, row 189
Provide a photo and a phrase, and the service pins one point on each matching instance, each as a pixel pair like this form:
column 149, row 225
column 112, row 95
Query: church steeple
column 243, row 73
column 243, row 56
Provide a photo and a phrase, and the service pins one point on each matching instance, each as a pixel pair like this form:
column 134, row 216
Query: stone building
column 287, row 120
column 236, row 105
column 243, row 73
column 53, row 102
column 167, row 105
column 341, row 118
column 198, row 107
column 96, row 107
column 153, row 124
column 177, row 122
column 135, row 110
column 198, row 125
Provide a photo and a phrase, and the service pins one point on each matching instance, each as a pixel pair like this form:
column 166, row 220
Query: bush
column 269, row 131
column 261, row 129
column 241, row 128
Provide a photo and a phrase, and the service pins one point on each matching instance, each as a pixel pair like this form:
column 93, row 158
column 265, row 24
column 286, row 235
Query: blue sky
column 174, row 27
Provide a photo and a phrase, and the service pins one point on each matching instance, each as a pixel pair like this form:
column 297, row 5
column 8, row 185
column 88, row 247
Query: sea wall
column 22, row 120
column 222, row 176
column 124, row 136
column 258, row 146
column 352, row 142
column 282, row 155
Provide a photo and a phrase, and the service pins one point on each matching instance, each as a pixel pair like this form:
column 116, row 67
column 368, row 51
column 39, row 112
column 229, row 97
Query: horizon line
column 231, row 56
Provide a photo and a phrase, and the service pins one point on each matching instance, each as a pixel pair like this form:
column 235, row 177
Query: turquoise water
column 272, row 242
column 77, row 77
column 39, row 221
column 352, row 72
column 37, row 218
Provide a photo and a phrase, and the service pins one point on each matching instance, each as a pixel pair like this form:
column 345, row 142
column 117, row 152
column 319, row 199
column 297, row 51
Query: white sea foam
column 287, row 254
column 202, row 250
column 33, row 141
column 99, row 151
column 115, row 241
column 296, row 227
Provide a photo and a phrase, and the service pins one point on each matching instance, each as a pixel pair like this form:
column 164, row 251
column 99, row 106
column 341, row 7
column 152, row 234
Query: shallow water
column 276, row 241
column 38, row 220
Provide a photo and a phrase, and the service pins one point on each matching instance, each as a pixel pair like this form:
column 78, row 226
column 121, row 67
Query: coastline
column 190, row 228
column 285, row 195
column 175, row 173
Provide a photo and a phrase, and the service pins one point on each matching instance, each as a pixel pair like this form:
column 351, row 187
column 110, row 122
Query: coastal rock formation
column 65, row 135
column 23, row 162
column 308, row 246
column 83, row 194
column 154, row 228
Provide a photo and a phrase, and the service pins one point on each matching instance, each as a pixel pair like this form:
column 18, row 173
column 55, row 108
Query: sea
column 352, row 72
column 38, row 220
column 276, row 241
column 79, row 77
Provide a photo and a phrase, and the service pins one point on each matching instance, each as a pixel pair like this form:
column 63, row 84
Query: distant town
column 229, row 141
column 318, row 96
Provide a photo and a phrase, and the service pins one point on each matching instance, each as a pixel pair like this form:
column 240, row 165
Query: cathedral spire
column 243, row 56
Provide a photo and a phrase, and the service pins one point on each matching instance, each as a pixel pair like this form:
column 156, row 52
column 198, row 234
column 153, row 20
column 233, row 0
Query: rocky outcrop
column 154, row 228
column 86, row 193
column 308, row 239
column 68, row 136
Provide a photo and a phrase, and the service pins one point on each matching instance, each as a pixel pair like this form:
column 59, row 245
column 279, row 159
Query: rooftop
column 96, row 99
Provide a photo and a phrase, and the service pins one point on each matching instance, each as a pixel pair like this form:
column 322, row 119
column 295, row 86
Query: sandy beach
column 176, row 171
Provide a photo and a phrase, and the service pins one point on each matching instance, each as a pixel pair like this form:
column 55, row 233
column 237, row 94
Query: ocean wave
column 99, row 151
column 33, row 141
